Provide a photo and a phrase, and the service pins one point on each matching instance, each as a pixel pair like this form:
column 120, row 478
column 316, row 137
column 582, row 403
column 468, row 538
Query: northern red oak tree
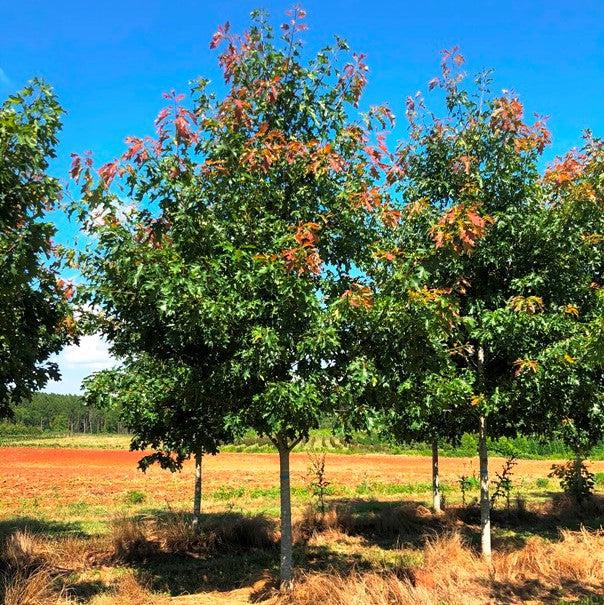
column 478, row 222
column 229, row 243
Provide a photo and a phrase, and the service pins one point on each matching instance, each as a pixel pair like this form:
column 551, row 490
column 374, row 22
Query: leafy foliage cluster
column 35, row 317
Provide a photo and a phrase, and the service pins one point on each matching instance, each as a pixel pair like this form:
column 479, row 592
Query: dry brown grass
column 357, row 589
column 130, row 540
column 29, row 577
column 176, row 534
column 32, row 588
column 310, row 522
column 446, row 570
column 389, row 522
column 578, row 558
column 130, row 591
column 23, row 551
column 135, row 540
column 452, row 573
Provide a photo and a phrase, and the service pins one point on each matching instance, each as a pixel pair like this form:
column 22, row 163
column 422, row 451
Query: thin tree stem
column 197, row 496
column 485, row 501
column 436, row 496
column 286, row 562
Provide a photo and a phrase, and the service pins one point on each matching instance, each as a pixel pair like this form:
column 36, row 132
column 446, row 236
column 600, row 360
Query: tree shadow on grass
column 232, row 550
column 409, row 523
column 179, row 574
column 390, row 524
column 84, row 590
column 223, row 559
column 46, row 528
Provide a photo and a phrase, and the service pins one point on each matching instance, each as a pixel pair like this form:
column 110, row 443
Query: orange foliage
column 460, row 227
column 359, row 296
column 565, row 170
column 527, row 304
column 369, row 199
column 426, row 295
column 526, row 365
column 508, row 116
column 267, row 147
column 304, row 258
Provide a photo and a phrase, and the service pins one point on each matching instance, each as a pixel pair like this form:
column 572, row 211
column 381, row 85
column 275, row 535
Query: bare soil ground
column 44, row 473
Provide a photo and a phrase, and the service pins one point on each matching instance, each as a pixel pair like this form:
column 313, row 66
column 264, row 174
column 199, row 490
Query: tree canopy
column 35, row 318
column 266, row 260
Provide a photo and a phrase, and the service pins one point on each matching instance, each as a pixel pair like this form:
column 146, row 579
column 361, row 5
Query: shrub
column 318, row 482
column 575, row 479
column 134, row 497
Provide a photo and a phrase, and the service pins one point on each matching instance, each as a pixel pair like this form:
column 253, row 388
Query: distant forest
column 62, row 413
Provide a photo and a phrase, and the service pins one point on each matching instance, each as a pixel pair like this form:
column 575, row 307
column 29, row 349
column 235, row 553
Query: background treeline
column 50, row 412
column 323, row 440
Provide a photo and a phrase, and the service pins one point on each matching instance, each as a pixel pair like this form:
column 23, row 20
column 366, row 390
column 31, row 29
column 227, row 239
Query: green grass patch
column 134, row 497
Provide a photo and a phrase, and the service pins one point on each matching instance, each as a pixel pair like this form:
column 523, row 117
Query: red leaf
column 135, row 146
column 162, row 115
column 108, row 171
column 76, row 166
column 219, row 35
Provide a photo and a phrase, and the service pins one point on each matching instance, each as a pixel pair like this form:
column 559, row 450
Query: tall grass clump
column 452, row 573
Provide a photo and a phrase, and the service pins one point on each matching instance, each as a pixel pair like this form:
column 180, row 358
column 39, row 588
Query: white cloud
column 92, row 352
column 78, row 361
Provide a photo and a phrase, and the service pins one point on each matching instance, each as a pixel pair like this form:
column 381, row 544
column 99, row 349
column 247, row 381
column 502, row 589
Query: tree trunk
column 578, row 476
column 436, row 505
column 286, row 519
column 485, row 502
column 197, row 496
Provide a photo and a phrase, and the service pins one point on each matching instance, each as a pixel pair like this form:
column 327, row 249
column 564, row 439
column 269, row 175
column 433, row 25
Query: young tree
column 166, row 407
column 432, row 408
column 408, row 391
column 293, row 164
column 569, row 376
column 245, row 221
column 483, row 233
column 35, row 317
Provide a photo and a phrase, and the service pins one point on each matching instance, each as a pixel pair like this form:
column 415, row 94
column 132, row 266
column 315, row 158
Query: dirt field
column 70, row 504
column 47, row 477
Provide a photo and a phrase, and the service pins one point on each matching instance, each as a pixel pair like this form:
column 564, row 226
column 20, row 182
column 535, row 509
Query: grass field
column 128, row 531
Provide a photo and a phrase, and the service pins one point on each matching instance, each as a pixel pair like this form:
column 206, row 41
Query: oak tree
column 482, row 230
column 35, row 315
column 227, row 243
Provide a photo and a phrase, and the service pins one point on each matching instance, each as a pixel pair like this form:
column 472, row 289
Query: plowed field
column 62, row 477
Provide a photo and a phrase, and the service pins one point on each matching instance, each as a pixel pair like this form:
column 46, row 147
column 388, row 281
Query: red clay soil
column 104, row 476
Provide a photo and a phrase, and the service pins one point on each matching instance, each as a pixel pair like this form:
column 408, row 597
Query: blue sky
column 110, row 61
